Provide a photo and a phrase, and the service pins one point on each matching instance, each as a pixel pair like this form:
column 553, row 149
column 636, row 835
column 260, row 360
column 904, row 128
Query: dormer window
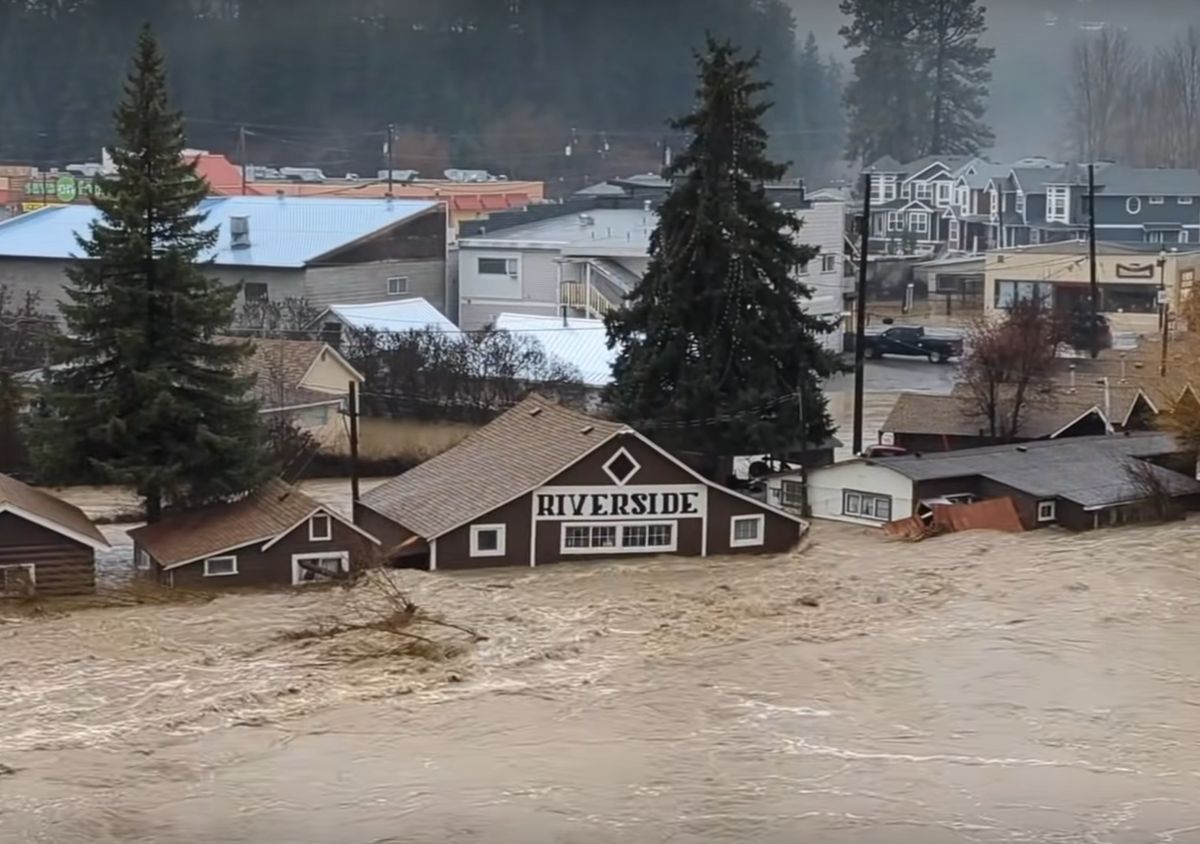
column 320, row 528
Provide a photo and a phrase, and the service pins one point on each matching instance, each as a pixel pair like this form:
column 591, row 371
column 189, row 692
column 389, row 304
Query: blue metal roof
column 284, row 232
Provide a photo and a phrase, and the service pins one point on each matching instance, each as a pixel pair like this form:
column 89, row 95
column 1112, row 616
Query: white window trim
column 829, row 263
column 342, row 556
column 895, row 221
column 758, row 539
column 512, row 265
column 919, row 221
column 1157, row 200
column 1058, row 192
column 637, row 467
column 143, row 559
column 1184, row 237
column 29, row 567
column 1047, row 511
column 858, row 514
column 1133, row 205
column 784, row 486
column 620, row 547
column 312, row 527
column 1019, row 205
column 501, row 540
column 208, row 560
column 1185, row 200
column 403, row 284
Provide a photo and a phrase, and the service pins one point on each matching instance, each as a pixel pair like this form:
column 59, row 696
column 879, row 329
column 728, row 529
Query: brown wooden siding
column 62, row 566
column 273, row 567
column 454, row 548
column 421, row 238
column 780, row 533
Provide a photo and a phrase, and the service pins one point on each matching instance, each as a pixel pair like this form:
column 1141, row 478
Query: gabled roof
column 581, row 343
column 886, row 164
column 519, row 450
column 284, row 233
column 952, row 415
column 413, row 314
column 282, row 365
column 1090, row 471
column 42, row 508
column 984, row 173
column 1119, row 180
column 191, row 535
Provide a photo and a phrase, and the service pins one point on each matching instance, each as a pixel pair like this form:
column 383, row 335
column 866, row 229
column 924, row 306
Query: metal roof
column 582, row 343
column 284, row 233
column 394, row 315
column 628, row 228
column 1090, row 471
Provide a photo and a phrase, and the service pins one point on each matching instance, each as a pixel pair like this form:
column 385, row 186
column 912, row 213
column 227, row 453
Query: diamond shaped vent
column 621, row 467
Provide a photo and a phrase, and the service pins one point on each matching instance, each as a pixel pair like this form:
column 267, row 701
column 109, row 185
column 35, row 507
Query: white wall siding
column 828, row 484
column 361, row 283
column 533, row 291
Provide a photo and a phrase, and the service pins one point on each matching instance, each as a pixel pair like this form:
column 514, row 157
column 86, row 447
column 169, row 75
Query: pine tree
column 920, row 78
column 146, row 395
column 714, row 345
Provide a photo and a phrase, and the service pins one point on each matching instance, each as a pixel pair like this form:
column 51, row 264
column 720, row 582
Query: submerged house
column 1079, row 483
column 47, row 546
column 276, row 536
column 544, row 484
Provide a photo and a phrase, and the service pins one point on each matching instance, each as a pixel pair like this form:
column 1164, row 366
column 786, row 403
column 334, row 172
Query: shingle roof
column 984, row 173
column 582, row 343
column 521, row 449
column 284, row 233
column 57, row 513
column 1091, row 471
column 413, row 314
column 1120, row 180
column 886, row 164
column 952, row 415
column 191, row 535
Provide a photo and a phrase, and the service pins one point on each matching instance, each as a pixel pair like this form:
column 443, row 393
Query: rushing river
column 974, row 688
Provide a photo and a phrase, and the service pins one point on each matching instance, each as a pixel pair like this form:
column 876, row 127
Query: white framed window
column 618, row 537
column 1156, row 200
column 953, row 233
column 918, row 221
column 18, row 580
column 883, row 188
column 220, row 566
column 256, row 291
column 745, row 531
column 1133, row 205
column 1184, row 236
column 143, row 560
column 1185, row 200
column 1020, row 206
column 944, row 190
column 1057, row 203
column 828, row 263
column 802, row 268
column 791, row 494
column 964, row 199
column 308, row 569
column 923, row 190
column 906, row 190
column 867, row 505
column 498, row 266
column 397, row 285
column 895, row 221
column 1047, row 511
column 488, row 540
column 320, row 528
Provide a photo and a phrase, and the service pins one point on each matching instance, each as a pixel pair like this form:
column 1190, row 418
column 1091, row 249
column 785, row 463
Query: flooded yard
column 974, row 688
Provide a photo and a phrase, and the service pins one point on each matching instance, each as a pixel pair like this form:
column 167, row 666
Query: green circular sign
column 66, row 189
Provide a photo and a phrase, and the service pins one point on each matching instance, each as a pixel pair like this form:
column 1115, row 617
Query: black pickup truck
column 913, row 342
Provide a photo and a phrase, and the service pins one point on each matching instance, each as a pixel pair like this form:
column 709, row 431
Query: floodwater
column 973, row 688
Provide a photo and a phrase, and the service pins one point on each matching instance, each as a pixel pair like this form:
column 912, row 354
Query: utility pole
column 860, row 304
column 1164, row 312
column 353, row 413
column 1093, row 328
column 800, row 393
column 391, row 134
column 242, row 155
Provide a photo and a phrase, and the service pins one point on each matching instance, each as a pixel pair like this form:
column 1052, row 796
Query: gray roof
column 886, row 164
column 1147, row 181
column 606, row 227
column 1090, row 471
column 984, row 173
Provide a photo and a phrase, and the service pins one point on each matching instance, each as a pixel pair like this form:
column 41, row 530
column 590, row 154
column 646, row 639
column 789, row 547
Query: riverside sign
column 685, row 501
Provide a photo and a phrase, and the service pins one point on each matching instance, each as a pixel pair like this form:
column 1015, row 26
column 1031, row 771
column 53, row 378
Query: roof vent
column 239, row 232
column 588, row 429
column 535, row 411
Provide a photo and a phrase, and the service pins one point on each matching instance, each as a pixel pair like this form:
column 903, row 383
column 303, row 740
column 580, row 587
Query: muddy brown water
column 974, row 688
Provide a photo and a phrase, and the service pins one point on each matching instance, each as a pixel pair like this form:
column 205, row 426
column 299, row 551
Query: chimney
column 239, row 232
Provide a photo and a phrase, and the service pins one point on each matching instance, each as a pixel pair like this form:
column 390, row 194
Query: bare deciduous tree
column 1103, row 69
column 1007, row 366
column 27, row 337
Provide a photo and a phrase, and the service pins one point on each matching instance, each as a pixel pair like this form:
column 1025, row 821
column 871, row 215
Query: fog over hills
column 1033, row 41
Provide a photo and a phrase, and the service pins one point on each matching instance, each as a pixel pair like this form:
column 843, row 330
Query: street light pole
column 860, row 327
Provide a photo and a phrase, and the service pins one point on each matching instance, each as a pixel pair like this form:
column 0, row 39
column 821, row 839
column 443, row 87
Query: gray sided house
column 1049, row 203
column 585, row 256
column 324, row 250
column 911, row 203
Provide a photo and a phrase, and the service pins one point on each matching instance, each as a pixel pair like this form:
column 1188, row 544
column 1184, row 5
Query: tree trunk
column 939, row 99
column 152, row 503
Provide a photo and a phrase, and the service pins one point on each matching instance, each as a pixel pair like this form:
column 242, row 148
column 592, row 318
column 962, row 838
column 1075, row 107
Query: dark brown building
column 277, row 536
column 47, row 546
column 542, row 484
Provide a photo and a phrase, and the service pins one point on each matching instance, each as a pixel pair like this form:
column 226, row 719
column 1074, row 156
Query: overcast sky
column 1033, row 40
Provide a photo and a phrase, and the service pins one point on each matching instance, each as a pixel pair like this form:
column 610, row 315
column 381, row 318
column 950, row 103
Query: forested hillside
column 503, row 84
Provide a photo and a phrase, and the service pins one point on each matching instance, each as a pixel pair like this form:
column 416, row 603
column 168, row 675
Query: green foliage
column 714, row 344
column 146, row 396
column 920, row 79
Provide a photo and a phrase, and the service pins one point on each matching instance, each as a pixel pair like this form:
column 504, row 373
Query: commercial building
column 324, row 250
column 544, row 484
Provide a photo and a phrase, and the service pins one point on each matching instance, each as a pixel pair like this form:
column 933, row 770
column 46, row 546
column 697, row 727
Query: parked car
column 1080, row 337
column 881, row 450
column 912, row 341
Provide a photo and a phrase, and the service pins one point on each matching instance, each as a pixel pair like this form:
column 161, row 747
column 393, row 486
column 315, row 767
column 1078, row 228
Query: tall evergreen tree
column 920, row 78
column 147, row 396
column 714, row 345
